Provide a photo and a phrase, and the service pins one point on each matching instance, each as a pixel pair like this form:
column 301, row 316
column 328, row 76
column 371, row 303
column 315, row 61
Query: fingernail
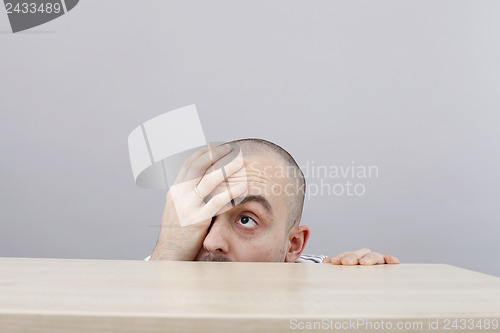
column 227, row 146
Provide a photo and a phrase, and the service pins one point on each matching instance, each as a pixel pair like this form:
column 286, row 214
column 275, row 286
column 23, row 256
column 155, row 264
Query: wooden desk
column 58, row 295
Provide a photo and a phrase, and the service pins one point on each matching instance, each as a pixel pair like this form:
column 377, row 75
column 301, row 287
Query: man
column 242, row 201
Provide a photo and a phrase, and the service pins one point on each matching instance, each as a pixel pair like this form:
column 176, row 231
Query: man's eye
column 247, row 222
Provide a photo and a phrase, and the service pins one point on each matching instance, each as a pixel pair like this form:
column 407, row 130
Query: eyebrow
column 257, row 198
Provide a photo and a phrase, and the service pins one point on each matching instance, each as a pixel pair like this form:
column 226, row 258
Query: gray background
column 410, row 86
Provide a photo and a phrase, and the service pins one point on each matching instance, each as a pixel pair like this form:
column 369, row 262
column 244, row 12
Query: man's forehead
column 266, row 169
column 259, row 199
column 264, row 174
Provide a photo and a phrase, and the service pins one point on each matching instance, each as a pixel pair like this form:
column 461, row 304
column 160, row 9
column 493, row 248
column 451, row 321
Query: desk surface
column 60, row 295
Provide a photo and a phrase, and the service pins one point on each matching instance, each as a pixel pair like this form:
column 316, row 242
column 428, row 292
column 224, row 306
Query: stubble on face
column 218, row 257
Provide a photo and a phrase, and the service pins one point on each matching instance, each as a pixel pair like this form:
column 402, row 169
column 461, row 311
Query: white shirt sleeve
column 310, row 258
column 301, row 259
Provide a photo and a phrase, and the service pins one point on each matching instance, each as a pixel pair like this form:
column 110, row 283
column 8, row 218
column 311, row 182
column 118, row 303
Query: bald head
column 289, row 168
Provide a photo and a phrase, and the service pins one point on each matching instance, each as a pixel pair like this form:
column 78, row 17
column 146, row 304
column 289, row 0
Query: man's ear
column 297, row 239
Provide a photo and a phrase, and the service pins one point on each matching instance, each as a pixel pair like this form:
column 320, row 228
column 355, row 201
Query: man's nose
column 216, row 241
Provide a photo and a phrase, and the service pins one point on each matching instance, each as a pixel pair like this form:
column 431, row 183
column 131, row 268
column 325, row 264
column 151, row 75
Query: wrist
column 172, row 253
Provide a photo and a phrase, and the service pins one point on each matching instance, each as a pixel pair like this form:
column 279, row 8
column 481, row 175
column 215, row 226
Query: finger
column 361, row 252
column 327, row 261
column 199, row 165
column 379, row 257
column 371, row 258
column 349, row 260
column 185, row 165
column 196, row 154
column 212, row 179
column 337, row 260
column 220, row 200
column 391, row 259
